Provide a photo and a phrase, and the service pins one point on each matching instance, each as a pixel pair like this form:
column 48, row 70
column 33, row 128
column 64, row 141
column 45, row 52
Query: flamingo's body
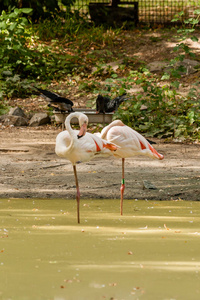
column 80, row 146
column 130, row 143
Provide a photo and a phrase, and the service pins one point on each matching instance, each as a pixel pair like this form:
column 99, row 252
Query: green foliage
column 3, row 105
column 66, row 27
column 186, row 31
column 23, row 59
column 15, row 56
column 160, row 110
column 60, row 47
column 20, row 62
column 39, row 9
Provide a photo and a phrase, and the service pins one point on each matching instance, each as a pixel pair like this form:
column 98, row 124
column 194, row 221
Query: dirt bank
column 30, row 168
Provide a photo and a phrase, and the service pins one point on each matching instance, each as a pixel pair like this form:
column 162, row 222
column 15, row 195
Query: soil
column 29, row 166
column 31, row 169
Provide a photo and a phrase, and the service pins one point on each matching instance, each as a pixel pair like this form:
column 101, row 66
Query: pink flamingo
column 129, row 143
column 80, row 146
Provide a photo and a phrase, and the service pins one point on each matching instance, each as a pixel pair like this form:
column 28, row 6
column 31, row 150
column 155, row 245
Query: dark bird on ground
column 105, row 104
column 59, row 103
column 151, row 142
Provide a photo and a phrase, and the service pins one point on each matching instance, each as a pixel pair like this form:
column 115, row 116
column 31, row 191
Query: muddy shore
column 29, row 168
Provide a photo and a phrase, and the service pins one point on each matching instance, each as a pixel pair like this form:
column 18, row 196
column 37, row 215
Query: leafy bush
column 39, row 9
column 3, row 105
column 20, row 62
column 161, row 111
column 14, row 54
column 66, row 27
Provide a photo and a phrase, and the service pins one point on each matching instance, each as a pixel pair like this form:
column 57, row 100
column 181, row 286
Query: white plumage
column 130, row 143
column 80, row 146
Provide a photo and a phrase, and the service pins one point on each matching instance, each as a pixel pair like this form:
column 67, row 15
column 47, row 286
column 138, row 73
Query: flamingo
column 129, row 143
column 80, row 146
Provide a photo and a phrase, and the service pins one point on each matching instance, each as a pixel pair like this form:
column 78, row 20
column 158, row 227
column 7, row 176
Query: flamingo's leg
column 77, row 193
column 122, row 188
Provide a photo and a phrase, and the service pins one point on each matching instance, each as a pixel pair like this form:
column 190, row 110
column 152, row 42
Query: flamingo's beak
column 82, row 131
column 110, row 146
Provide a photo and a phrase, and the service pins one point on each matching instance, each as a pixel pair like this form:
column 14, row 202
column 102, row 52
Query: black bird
column 57, row 102
column 151, row 142
column 105, row 104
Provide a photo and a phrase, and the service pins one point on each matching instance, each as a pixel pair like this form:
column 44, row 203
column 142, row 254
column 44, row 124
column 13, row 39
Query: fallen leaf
column 68, row 280
column 165, row 226
column 144, row 227
column 113, row 284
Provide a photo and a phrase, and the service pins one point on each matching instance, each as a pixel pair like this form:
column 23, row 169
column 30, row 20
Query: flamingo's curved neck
column 70, row 131
column 68, row 121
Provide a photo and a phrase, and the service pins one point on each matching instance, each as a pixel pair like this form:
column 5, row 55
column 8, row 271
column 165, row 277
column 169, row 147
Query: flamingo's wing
column 147, row 147
column 131, row 143
column 63, row 142
column 101, row 146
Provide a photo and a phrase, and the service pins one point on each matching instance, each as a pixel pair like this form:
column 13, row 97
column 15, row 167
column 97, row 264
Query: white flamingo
column 129, row 143
column 80, row 146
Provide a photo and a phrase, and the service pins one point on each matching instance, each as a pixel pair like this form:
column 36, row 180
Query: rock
column 39, row 119
column 188, row 64
column 17, row 111
column 148, row 185
column 13, row 120
column 157, row 66
column 112, row 65
column 143, row 107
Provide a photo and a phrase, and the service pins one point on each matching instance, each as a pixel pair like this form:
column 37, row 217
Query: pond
column 151, row 252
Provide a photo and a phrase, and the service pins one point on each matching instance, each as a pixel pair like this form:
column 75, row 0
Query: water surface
column 152, row 252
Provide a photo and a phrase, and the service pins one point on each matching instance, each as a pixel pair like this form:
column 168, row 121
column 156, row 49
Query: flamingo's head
column 83, row 122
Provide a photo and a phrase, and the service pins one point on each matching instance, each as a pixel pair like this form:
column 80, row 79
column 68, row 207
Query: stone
column 17, row 111
column 160, row 66
column 39, row 119
column 157, row 66
column 13, row 120
column 148, row 185
column 189, row 65
column 112, row 65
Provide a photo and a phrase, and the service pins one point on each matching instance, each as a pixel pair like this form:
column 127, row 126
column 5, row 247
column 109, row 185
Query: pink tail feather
column 155, row 153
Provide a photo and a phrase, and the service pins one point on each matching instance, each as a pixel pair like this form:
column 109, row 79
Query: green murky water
column 152, row 252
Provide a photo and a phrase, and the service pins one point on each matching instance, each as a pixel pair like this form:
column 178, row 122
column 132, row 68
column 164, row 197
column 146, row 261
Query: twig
column 53, row 166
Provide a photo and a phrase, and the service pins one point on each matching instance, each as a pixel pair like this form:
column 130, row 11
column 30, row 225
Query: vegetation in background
column 161, row 110
column 3, row 107
column 40, row 10
column 68, row 47
column 24, row 59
